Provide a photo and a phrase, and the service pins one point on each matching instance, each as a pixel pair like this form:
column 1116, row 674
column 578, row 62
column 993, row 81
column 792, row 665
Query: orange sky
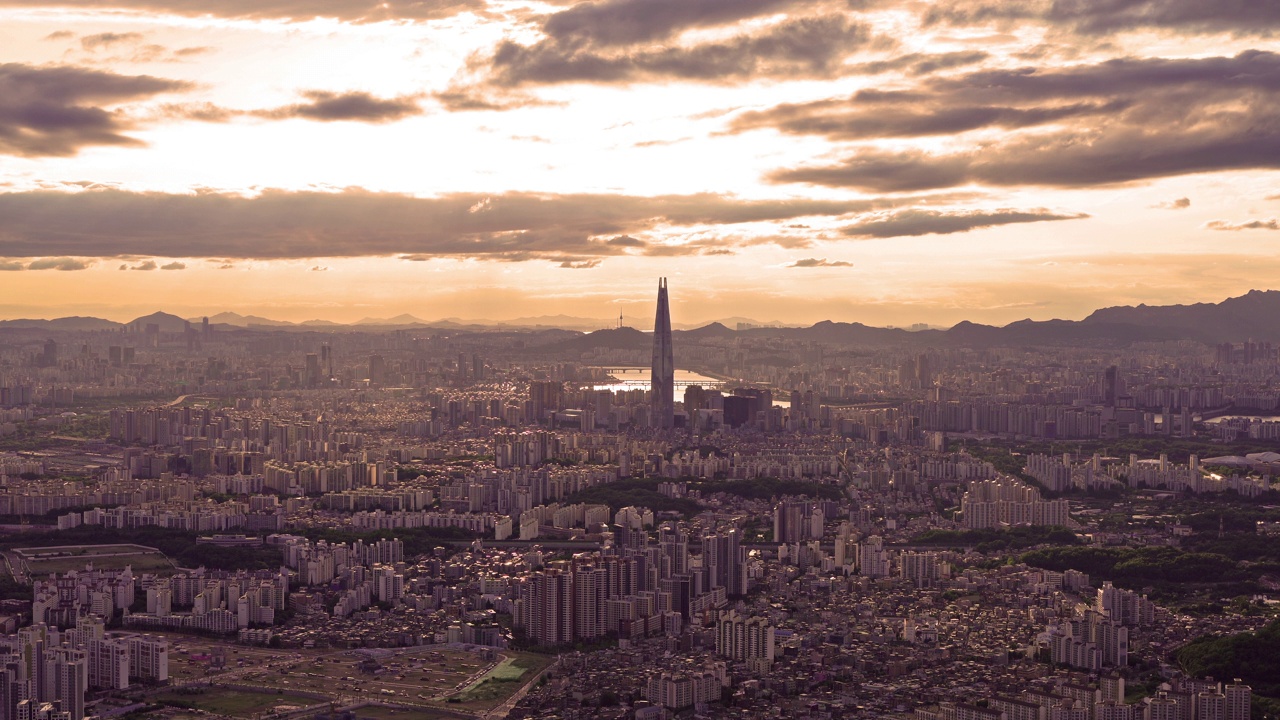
column 792, row 160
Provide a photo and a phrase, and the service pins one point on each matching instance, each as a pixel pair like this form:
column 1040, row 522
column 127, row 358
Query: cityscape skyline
column 1054, row 520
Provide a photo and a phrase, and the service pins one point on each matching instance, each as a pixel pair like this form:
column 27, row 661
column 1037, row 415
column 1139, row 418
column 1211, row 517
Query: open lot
column 237, row 703
column 406, row 677
column 500, row 683
column 381, row 712
column 44, row 560
column 425, row 676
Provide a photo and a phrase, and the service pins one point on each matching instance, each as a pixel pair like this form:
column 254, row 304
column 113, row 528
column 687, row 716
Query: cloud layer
column 915, row 221
column 1093, row 124
column 792, row 49
column 279, row 224
column 1102, row 17
column 60, row 110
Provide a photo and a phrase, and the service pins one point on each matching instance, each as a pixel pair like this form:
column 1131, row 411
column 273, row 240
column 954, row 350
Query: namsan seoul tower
column 662, row 376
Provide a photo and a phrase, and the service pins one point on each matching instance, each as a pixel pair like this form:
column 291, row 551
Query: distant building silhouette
column 662, row 377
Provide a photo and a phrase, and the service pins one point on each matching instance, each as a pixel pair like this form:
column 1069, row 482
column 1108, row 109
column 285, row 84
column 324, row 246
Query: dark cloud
column 475, row 98
column 349, row 106
column 201, row 112
column 59, row 35
column 191, row 51
column 1112, row 122
column 1143, row 90
column 279, row 224
column 174, row 266
column 1067, row 160
column 1100, row 17
column 58, row 110
column 108, row 40
column 58, row 263
column 1272, row 224
column 626, row 241
column 914, row 221
column 321, row 105
column 11, row 266
column 146, row 266
column 359, row 11
column 1179, row 204
column 885, row 171
column 878, row 115
column 795, row 48
column 921, row 63
column 819, row 262
column 580, row 264
column 626, row 22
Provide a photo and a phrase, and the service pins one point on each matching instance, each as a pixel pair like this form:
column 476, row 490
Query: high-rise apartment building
column 748, row 639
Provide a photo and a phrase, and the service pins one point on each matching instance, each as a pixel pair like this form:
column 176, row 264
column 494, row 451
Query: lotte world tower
column 662, row 377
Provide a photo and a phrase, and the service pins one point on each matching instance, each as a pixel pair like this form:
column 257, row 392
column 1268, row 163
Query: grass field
column 150, row 563
column 237, row 703
column 500, row 683
column 39, row 552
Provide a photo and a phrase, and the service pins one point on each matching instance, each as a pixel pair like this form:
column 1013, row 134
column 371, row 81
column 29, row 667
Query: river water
column 637, row 378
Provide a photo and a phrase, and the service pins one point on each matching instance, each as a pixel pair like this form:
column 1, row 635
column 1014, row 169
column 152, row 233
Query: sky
column 880, row 161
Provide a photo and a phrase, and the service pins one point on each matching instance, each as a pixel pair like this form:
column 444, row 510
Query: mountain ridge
column 1254, row 315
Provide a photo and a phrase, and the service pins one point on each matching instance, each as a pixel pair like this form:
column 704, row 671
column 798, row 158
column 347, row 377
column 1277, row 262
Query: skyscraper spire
column 662, row 377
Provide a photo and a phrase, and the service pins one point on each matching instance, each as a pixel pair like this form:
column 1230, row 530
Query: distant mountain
column 714, row 330
column 612, row 339
column 567, row 322
column 230, row 318
column 733, row 322
column 74, row 323
column 1255, row 314
column 563, row 322
column 405, row 319
column 167, row 322
column 1053, row 332
column 837, row 333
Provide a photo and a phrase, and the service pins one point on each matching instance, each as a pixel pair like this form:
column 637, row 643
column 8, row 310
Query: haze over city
column 782, row 160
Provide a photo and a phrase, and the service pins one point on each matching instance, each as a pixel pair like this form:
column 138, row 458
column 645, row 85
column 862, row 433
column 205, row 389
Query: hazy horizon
column 565, row 320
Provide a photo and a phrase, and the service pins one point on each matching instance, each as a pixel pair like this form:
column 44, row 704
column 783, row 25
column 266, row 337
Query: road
column 18, row 577
column 502, row 710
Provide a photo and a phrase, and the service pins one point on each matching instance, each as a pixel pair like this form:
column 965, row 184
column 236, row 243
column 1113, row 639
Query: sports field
column 42, row 561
